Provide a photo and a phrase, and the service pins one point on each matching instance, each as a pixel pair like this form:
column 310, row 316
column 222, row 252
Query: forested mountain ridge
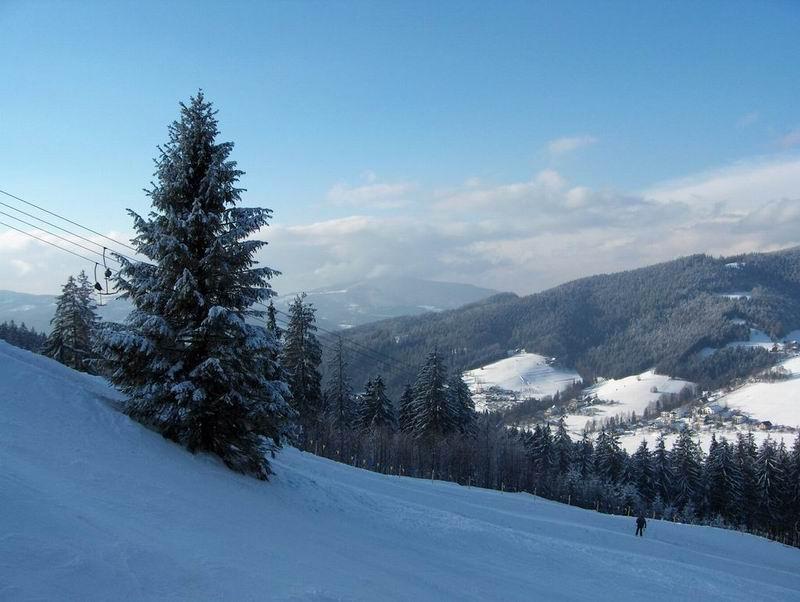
column 608, row 325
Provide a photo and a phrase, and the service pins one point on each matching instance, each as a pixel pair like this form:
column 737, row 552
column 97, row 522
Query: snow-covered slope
column 777, row 402
column 623, row 396
column 95, row 507
column 524, row 374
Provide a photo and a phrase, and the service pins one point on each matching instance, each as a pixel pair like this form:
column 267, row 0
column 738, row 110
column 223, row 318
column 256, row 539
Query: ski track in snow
column 95, row 507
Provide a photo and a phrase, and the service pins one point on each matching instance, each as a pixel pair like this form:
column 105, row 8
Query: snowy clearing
column 625, row 395
column 525, row 374
column 95, row 507
column 778, row 402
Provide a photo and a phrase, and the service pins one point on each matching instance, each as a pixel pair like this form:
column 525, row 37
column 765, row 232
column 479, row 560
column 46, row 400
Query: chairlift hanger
column 106, row 275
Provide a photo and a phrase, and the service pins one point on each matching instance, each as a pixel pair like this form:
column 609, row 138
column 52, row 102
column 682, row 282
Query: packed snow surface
column 777, row 402
column 95, row 507
column 526, row 374
column 623, row 396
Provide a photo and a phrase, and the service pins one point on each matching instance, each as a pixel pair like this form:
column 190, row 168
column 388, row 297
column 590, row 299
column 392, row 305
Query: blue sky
column 379, row 120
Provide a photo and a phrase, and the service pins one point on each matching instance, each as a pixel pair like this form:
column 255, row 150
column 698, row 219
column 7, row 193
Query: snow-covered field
column 95, row 507
column 526, row 374
column 778, row 402
column 630, row 394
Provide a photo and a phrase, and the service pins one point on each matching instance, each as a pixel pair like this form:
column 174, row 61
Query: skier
column 641, row 524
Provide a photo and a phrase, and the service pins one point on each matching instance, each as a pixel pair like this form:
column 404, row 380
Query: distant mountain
column 357, row 303
column 338, row 307
column 36, row 311
column 610, row 325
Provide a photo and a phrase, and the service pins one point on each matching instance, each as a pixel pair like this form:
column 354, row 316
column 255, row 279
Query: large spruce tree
column 73, row 325
column 433, row 415
column 375, row 409
column 191, row 365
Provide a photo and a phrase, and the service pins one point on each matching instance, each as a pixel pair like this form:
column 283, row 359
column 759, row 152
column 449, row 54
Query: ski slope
column 525, row 374
column 95, row 507
column 778, row 402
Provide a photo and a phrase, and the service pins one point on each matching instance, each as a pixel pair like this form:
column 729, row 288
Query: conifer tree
column 769, row 480
column 642, row 471
column 745, row 456
column 406, row 413
column 609, row 458
column 302, row 355
column 192, row 367
column 375, row 410
column 339, row 403
column 686, row 459
column 793, row 479
column 23, row 337
column 584, row 457
column 73, row 325
column 662, row 470
column 562, row 448
column 433, row 415
column 462, row 404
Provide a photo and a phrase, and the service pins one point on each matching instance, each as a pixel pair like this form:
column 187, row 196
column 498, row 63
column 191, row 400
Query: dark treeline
column 21, row 336
column 609, row 325
column 435, row 433
column 736, row 486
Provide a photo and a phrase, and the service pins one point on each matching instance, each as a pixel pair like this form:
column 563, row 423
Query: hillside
column 36, row 311
column 611, row 325
column 95, row 507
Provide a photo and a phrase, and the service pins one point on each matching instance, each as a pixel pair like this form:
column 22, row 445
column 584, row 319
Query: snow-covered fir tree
column 721, row 479
column 745, row 455
column 462, row 404
column 301, row 359
column 662, row 470
column 770, row 481
column 405, row 420
column 562, row 447
column 609, row 457
column 193, row 368
column 687, row 460
column 73, row 325
column 375, row 409
column 433, row 414
column 23, row 337
column 642, row 471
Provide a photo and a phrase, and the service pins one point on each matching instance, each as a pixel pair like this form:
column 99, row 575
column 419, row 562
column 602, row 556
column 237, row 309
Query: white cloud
column 538, row 232
column 736, row 188
column 372, row 193
column 568, row 144
column 521, row 235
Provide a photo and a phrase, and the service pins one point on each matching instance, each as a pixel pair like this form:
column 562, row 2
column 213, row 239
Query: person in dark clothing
column 641, row 524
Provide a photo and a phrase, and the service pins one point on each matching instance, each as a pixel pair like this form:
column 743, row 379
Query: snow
column 630, row 441
column 526, row 374
column 758, row 338
column 778, row 402
column 96, row 507
column 625, row 395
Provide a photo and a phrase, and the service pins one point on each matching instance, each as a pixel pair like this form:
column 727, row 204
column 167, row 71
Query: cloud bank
column 521, row 235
